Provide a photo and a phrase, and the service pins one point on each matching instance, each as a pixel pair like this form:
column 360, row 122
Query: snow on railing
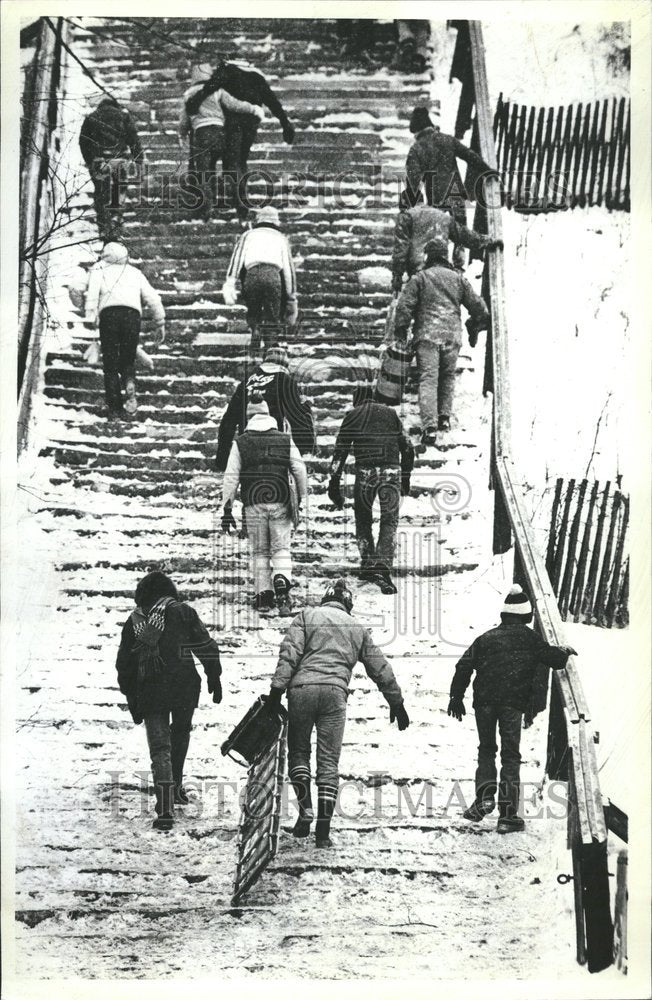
column 571, row 751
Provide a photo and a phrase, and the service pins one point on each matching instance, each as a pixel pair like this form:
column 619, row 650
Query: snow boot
column 383, row 579
column 326, row 799
column 283, row 600
column 444, row 423
column 478, row 810
column 180, row 796
column 428, row 437
column 164, row 806
column 368, row 571
column 513, row 824
column 131, row 403
column 264, row 601
column 300, row 778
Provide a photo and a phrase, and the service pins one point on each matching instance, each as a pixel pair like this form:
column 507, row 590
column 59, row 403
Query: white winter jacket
column 211, row 110
column 263, row 244
column 114, row 281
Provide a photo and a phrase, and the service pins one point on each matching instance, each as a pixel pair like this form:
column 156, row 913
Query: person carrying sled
column 384, row 458
column 280, row 390
column 157, row 674
column 316, row 659
column 432, row 300
column 261, row 461
column 510, row 664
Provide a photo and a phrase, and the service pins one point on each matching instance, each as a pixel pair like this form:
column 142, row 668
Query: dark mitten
column 274, row 696
column 214, row 684
column 133, row 708
column 399, row 715
column 288, row 134
column 456, row 708
column 473, row 331
column 495, row 245
column 228, row 521
column 335, row 492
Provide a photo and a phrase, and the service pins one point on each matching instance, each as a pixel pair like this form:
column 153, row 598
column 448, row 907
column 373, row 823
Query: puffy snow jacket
column 178, row 685
column 264, row 244
column 420, row 224
column 212, row 109
column 322, row 646
column 507, row 661
column 432, row 298
column 114, row 281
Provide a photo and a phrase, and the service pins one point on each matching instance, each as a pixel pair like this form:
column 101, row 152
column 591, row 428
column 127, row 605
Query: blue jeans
column 437, row 367
column 168, row 746
column 322, row 706
column 509, row 726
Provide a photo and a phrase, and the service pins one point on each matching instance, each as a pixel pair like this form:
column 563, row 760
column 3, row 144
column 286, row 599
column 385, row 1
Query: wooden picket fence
column 565, row 157
column 586, row 559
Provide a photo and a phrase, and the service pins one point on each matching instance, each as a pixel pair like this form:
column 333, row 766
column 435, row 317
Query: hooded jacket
column 263, row 244
column 178, row 685
column 323, row 645
column 109, row 132
column 417, row 226
column 432, row 159
column 113, row 281
column 281, row 393
column 433, row 298
column 262, row 428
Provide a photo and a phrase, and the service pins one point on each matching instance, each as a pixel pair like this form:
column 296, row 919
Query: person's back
column 265, row 462
column 440, row 293
column 427, row 223
column 109, row 131
column 374, row 431
column 333, row 645
column 506, row 659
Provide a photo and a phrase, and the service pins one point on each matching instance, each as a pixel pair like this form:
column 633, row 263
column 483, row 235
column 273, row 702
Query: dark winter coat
column 433, row 298
column 281, row 393
column 375, row 433
column 178, row 684
column 432, row 159
column 420, row 224
column 246, row 85
column 507, row 661
column 109, row 132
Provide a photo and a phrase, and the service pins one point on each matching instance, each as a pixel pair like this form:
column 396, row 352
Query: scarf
column 148, row 629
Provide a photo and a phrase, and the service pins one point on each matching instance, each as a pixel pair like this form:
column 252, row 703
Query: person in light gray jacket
column 316, row 659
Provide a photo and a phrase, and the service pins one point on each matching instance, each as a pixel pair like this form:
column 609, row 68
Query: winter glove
column 569, row 652
column 456, row 708
column 133, row 708
column 229, row 293
column 335, row 492
column 474, row 328
column 399, row 715
column 228, row 520
column 274, row 697
column 288, row 134
column 92, row 354
column 397, row 283
column 144, row 358
column 495, row 245
column 214, row 684
column 292, row 312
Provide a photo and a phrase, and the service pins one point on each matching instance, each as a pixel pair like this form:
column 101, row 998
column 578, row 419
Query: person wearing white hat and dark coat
column 116, row 296
column 315, row 663
column 262, row 262
column 279, row 387
column 261, row 462
column 507, row 661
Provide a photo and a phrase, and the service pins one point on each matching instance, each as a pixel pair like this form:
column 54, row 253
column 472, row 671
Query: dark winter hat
column 435, row 250
column 152, row 587
column 339, row 592
column 517, row 602
column 277, row 356
column 420, row 119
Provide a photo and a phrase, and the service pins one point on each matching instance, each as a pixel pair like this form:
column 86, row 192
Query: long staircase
column 407, row 893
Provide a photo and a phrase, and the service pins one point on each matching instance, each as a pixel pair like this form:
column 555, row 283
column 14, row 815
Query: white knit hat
column 517, row 602
column 269, row 215
column 257, row 404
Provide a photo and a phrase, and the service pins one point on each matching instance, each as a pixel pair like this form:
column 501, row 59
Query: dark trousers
column 241, row 131
column 208, row 147
column 386, row 485
column 263, row 294
column 109, row 178
column 508, row 720
column 119, row 333
column 168, row 746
